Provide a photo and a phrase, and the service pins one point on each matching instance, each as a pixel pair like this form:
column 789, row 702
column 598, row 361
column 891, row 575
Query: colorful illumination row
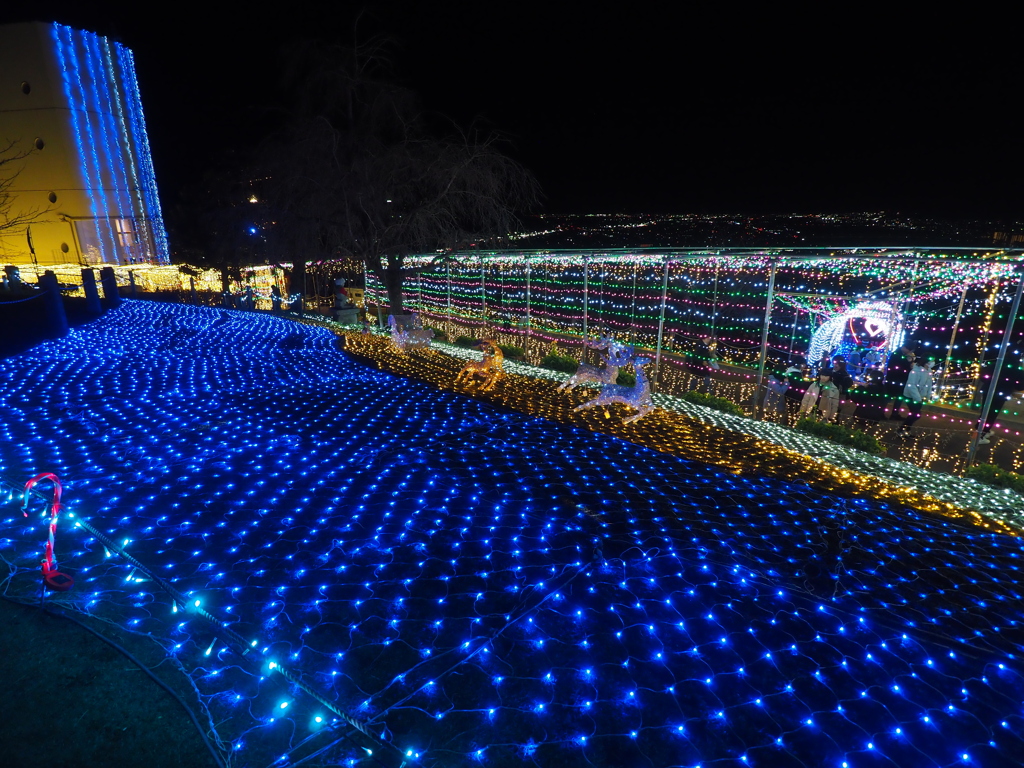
column 953, row 304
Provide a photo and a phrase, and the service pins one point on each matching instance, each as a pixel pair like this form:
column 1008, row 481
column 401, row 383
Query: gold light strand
column 664, row 431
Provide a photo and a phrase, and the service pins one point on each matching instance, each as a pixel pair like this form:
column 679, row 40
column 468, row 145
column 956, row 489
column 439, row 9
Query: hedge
column 512, row 353
column 837, row 433
column 559, row 363
column 989, row 474
column 710, row 401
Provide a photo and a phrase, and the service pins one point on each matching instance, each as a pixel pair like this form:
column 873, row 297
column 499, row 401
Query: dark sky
column 632, row 109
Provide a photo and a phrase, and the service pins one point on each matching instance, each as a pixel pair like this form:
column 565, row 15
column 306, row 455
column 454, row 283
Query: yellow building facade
column 71, row 101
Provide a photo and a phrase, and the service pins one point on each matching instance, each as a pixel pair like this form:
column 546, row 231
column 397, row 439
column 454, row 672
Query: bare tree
column 360, row 171
column 13, row 219
column 216, row 226
column 300, row 196
column 427, row 195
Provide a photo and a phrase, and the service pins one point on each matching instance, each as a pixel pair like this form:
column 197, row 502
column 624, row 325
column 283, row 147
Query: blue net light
column 478, row 587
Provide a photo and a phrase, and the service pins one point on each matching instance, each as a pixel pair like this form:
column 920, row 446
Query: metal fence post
column 661, row 328
column 527, row 300
column 586, row 273
column 448, row 274
column 792, row 334
column 952, row 340
column 764, row 338
column 632, row 307
column 714, row 302
column 994, row 381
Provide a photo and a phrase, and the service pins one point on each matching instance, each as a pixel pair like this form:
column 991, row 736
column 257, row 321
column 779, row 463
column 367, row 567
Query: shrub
column 439, row 335
column 512, row 353
column 989, row 474
column 559, row 363
column 626, row 379
column 837, row 433
column 862, row 441
column 710, row 401
column 464, row 341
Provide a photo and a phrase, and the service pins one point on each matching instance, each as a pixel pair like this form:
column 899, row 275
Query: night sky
column 632, row 109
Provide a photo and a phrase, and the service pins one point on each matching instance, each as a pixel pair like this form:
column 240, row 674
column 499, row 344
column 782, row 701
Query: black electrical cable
column 125, row 652
column 312, row 755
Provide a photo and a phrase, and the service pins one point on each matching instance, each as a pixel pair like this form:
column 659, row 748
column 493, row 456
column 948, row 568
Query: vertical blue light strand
column 118, row 129
column 74, row 107
column 95, row 142
column 138, row 203
column 108, row 135
column 134, row 101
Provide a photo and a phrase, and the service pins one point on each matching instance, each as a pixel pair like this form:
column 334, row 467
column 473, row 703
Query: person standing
column 840, row 376
column 796, row 379
column 822, row 394
column 703, row 360
column 896, row 375
column 775, row 396
column 855, row 360
column 918, row 391
column 843, row 380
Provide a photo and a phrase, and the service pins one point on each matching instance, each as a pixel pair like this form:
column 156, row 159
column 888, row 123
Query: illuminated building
column 71, row 97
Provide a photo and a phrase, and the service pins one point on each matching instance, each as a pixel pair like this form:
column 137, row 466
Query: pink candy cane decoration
column 54, row 579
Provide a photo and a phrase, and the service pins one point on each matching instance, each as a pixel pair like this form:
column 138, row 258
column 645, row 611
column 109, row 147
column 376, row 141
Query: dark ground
column 70, row 700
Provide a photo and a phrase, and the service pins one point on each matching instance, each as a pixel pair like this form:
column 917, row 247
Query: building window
column 125, row 231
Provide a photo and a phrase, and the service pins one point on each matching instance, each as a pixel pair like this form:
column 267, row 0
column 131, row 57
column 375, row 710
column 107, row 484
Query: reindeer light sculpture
column 638, row 396
column 615, row 356
column 489, row 369
column 413, row 337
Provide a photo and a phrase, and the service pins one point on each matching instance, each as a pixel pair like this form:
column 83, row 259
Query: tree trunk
column 298, row 282
column 225, row 276
column 225, row 283
column 393, row 282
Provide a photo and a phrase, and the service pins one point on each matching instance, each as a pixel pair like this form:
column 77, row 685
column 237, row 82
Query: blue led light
column 111, row 148
column 133, row 185
column 78, row 108
column 421, row 559
column 108, row 124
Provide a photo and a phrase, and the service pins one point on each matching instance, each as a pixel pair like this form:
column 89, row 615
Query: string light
column 109, row 128
column 535, row 299
column 364, row 527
